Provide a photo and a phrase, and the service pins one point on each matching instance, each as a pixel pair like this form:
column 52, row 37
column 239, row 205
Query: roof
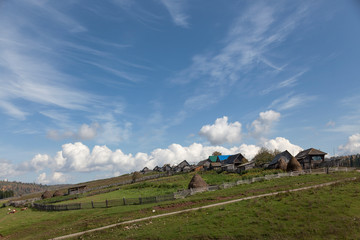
column 234, row 158
column 286, row 156
column 183, row 164
column 248, row 163
column 213, row 158
column 223, row 157
column 201, row 163
column 310, row 152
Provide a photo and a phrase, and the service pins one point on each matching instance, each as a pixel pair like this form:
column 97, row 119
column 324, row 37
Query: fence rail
column 103, row 204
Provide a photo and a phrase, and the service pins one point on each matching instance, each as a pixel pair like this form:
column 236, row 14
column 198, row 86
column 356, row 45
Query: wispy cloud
column 290, row 82
column 291, row 101
column 252, row 35
column 55, row 15
column 176, row 10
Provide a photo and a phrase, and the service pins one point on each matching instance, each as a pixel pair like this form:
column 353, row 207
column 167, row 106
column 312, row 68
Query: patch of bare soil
column 174, row 206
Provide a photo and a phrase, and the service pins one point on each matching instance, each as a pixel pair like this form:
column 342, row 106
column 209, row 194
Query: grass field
column 32, row 224
column 328, row 213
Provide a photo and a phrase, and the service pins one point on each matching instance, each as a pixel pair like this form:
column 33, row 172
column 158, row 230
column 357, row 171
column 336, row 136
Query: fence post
column 106, row 201
column 124, row 201
column 79, row 205
column 92, row 204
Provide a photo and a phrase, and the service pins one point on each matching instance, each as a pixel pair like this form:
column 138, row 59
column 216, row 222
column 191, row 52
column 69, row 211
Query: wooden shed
column 76, row 189
column 310, row 158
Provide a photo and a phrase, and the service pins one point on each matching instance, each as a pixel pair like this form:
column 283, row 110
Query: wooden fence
column 179, row 194
column 104, row 204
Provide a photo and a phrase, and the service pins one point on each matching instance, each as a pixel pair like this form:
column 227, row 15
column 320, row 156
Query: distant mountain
column 20, row 188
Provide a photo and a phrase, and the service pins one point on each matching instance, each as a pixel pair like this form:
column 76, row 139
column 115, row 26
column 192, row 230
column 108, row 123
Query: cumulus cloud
column 222, row 132
column 262, row 125
column 282, row 144
column 77, row 157
column 55, row 178
column 352, row 146
column 7, row 169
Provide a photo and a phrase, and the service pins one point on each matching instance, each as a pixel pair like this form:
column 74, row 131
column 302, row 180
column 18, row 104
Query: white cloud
column 290, row 82
column 330, row 123
column 289, row 102
column 77, row 157
column 7, row 169
column 222, row 132
column 55, row 178
column 176, row 10
column 85, row 132
column 352, row 146
column 262, row 125
column 42, row 179
column 282, row 144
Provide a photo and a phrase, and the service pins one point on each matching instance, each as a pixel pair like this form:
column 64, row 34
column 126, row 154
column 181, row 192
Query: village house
column 157, row 169
column 235, row 160
column 76, row 189
column 204, row 164
column 310, row 158
column 246, row 166
column 145, row 170
column 285, row 156
column 181, row 166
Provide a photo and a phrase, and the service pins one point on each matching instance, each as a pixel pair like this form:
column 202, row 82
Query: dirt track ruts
column 203, row 207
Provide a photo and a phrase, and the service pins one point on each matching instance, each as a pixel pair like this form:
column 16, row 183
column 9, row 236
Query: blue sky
column 94, row 89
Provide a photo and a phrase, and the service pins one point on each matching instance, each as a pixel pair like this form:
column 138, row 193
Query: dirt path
column 203, row 207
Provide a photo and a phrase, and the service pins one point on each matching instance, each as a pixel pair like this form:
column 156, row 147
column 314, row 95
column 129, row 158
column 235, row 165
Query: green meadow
column 278, row 217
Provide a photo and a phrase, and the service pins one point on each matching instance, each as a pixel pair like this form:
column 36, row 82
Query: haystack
column 197, row 182
column 282, row 164
column 58, row 193
column 46, row 195
column 293, row 165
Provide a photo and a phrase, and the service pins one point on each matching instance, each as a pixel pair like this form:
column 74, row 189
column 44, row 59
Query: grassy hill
column 313, row 213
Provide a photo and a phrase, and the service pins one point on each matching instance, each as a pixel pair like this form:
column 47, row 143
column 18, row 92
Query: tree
column 135, row 176
column 264, row 156
column 216, row 153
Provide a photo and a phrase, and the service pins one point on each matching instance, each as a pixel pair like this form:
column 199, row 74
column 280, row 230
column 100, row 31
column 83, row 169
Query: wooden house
column 76, row 189
column 236, row 160
column 245, row 166
column 205, row 164
column 215, row 166
column 167, row 168
column 310, row 158
column 180, row 167
column 158, row 169
column 145, row 170
column 285, row 155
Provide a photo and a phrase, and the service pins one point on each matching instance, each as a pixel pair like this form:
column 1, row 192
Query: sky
column 95, row 89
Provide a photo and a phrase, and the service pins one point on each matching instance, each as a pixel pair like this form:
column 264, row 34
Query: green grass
column 32, row 224
column 328, row 213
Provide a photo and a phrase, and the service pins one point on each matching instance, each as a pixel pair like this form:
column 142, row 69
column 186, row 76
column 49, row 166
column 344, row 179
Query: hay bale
column 46, row 195
column 197, row 182
column 293, row 165
column 282, row 164
column 58, row 193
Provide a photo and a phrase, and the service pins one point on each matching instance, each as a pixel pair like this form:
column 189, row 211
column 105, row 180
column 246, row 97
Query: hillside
column 20, row 188
column 236, row 220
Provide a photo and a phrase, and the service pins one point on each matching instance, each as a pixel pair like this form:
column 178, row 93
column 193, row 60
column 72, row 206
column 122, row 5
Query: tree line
column 6, row 194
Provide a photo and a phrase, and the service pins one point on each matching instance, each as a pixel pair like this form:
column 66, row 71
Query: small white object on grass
column 153, row 210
